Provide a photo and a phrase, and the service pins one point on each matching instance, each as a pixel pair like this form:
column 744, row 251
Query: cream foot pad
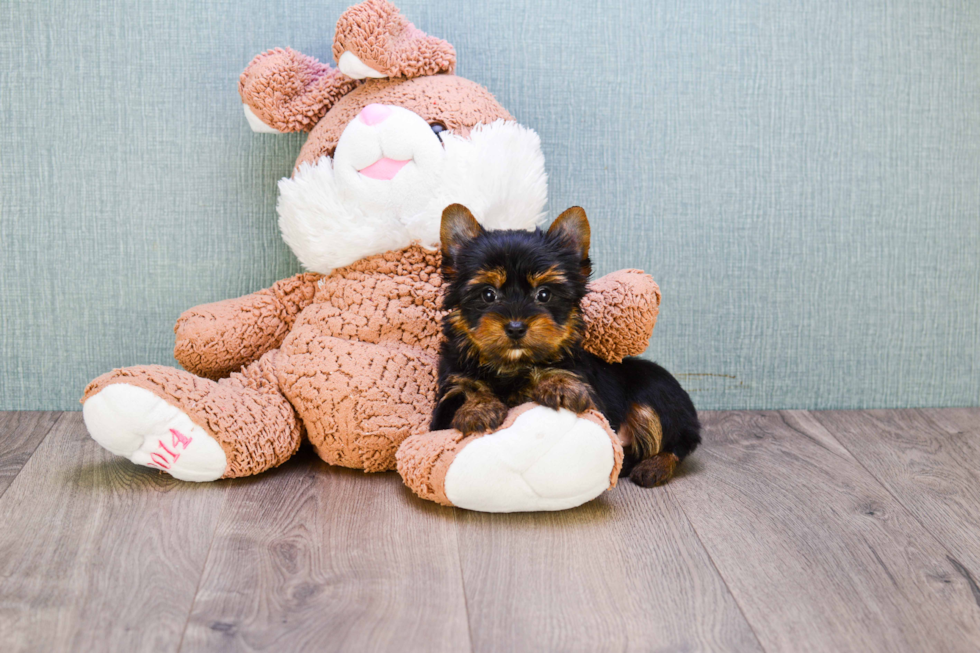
column 546, row 460
column 135, row 423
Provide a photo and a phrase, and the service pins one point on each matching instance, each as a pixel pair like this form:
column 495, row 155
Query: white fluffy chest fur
column 331, row 216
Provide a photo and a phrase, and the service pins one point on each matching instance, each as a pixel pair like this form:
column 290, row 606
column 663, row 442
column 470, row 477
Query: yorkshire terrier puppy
column 514, row 330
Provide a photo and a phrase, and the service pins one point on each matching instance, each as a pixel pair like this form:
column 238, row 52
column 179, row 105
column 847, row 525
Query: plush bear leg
column 540, row 459
column 357, row 400
column 193, row 428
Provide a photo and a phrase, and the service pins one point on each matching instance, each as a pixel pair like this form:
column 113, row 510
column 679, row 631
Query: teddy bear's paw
column 544, row 460
column 135, row 423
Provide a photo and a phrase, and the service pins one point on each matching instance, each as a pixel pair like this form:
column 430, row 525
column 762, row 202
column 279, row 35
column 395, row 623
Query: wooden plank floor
column 786, row 531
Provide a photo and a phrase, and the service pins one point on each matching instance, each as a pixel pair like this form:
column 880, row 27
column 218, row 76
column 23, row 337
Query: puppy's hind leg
column 642, row 435
column 660, row 425
column 654, row 471
column 662, row 428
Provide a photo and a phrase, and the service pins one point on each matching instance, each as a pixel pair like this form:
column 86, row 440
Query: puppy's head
column 514, row 297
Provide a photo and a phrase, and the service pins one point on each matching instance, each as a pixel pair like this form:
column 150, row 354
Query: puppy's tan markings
column 556, row 389
column 551, row 340
column 458, row 324
column 495, row 277
column 655, row 471
column 491, row 339
column 544, row 342
column 481, row 412
column 551, row 275
column 488, row 343
column 641, row 431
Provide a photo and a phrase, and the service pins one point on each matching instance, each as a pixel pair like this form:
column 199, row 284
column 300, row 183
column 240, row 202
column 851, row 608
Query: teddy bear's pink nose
column 373, row 114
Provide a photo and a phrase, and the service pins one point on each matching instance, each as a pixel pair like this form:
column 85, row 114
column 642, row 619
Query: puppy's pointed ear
column 572, row 229
column 459, row 227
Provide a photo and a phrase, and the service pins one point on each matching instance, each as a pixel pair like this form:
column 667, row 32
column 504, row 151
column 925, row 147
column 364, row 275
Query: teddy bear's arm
column 287, row 91
column 214, row 340
column 620, row 311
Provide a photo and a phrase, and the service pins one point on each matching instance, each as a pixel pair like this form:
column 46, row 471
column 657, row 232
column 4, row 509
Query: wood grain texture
column 819, row 556
column 930, row 461
column 774, row 536
column 97, row 553
column 20, row 434
column 313, row 557
column 623, row 573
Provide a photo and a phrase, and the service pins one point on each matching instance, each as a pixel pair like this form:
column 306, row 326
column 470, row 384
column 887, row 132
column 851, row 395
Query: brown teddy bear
column 345, row 354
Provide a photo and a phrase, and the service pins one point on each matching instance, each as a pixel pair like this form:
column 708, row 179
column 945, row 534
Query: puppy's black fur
column 513, row 334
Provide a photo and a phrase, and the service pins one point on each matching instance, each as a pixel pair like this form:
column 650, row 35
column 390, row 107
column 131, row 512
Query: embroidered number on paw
column 164, row 457
column 139, row 425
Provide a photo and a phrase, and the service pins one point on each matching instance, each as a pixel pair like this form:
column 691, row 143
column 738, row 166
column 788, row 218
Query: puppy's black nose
column 515, row 329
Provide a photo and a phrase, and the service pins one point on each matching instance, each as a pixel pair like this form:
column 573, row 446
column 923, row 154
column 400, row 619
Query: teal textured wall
column 802, row 178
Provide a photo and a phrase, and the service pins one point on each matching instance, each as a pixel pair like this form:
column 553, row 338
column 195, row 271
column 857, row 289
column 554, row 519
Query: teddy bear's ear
column 373, row 39
column 286, row 91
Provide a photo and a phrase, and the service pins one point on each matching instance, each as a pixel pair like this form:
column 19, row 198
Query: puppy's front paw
column 479, row 415
column 560, row 389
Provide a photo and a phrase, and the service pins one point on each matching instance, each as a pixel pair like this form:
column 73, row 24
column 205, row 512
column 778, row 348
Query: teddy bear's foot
column 540, row 459
column 137, row 424
column 194, row 428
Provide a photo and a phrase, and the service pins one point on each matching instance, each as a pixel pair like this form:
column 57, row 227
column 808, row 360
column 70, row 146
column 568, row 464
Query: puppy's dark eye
column 437, row 129
column 489, row 295
column 543, row 295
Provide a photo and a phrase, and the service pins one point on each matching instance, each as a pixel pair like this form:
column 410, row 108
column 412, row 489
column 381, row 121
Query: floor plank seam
column 204, row 569
column 809, row 437
column 462, row 579
column 714, row 565
column 965, row 573
column 898, row 500
column 13, row 480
